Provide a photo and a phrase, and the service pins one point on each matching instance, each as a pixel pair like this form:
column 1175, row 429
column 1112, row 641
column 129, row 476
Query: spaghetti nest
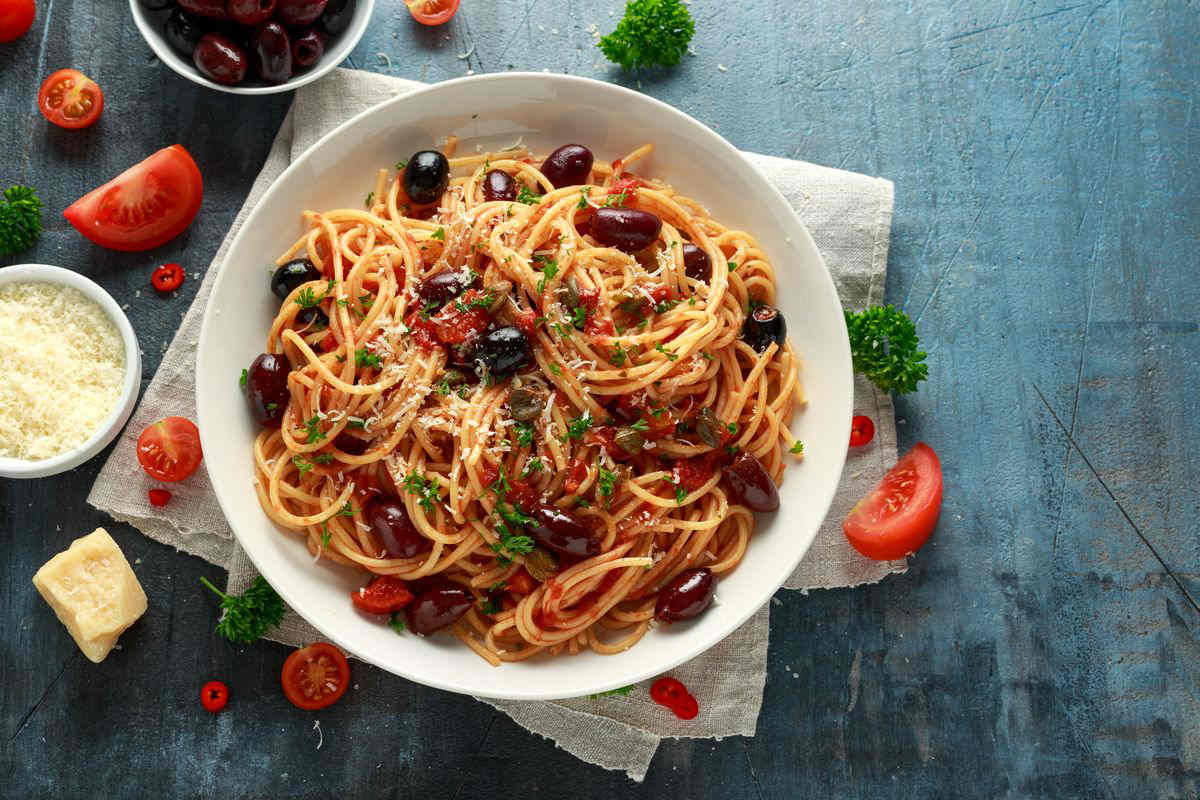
column 643, row 385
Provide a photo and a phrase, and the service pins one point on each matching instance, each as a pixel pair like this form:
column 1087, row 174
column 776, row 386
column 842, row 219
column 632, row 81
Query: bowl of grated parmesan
column 71, row 368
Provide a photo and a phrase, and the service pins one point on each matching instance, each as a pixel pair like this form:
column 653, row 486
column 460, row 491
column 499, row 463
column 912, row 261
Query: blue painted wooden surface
column 1047, row 168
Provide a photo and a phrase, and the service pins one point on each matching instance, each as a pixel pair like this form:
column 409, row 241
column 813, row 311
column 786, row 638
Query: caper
column 454, row 377
column 541, row 564
column 525, row 403
column 569, row 292
column 630, row 440
column 708, row 427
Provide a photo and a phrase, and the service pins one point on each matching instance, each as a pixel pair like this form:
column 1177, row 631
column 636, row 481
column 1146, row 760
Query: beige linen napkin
column 849, row 215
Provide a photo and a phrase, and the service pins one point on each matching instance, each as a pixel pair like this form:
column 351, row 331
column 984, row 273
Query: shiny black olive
column 569, row 165
column 696, row 264
column 350, row 444
column 307, row 48
column 389, row 521
column 426, row 177
column 764, row 325
column 273, row 47
column 499, row 185
column 313, row 316
column 439, row 603
column 267, row 388
column 503, row 351
column 250, row 12
column 750, row 485
column 337, row 17
column 220, row 59
column 627, row 229
column 561, row 531
column 441, row 288
column 299, row 13
column 291, row 275
column 182, row 31
column 688, row 593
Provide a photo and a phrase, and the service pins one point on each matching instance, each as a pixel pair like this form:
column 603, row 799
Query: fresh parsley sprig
column 20, row 220
column 248, row 616
column 884, row 347
column 652, row 32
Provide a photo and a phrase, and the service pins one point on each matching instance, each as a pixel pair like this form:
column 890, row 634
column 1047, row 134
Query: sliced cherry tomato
column 454, row 325
column 169, row 450
column 692, row 473
column 862, row 431
column 145, row 206
column 213, row 696
column 16, row 16
column 329, row 343
column 315, row 676
column 576, row 474
column 896, row 518
column 627, row 185
column 521, row 583
column 432, row 12
column 70, row 99
column 383, row 595
column 167, row 278
column 525, row 321
column 674, row 695
column 159, row 497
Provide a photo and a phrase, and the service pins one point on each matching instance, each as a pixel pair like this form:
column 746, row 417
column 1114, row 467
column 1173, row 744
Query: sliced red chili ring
column 214, row 695
column 862, row 431
column 159, row 497
column 167, row 278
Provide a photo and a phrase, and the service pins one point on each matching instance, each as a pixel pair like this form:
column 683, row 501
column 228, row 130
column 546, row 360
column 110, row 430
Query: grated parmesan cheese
column 63, row 362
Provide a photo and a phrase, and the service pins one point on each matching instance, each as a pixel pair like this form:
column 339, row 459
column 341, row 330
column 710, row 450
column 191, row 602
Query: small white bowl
column 150, row 24
column 44, row 273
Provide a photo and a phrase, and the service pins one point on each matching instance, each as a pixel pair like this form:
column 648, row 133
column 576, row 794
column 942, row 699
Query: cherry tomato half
column 315, row 676
column 862, row 431
column 145, row 206
column 432, row 12
column 70, row 99
column 896, row 518
column 169, row 450
column 16, row 16
column 167, row 278
column 214, row 695
column 383, row 595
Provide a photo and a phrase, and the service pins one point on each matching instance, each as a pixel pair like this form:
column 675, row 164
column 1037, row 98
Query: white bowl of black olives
column 252, row 46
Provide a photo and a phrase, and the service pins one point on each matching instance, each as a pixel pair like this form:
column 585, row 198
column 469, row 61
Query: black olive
column 267, row 388
column 764, row 325
column 157, row 5
column 426, row 177
column 696, row 264
column 312, row 316
column 499, row 185
column 627, row 229
column 503, row 351
column 337, row 16
column 688, row 594
column 441, row 288
column 293, row 274
column 569, row 165
column 183, row 32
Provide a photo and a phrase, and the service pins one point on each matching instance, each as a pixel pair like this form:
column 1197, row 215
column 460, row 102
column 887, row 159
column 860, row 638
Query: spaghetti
column 494, row 378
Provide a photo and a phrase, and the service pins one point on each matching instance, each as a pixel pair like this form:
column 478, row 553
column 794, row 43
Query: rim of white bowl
column 346, row 42
column 115, row 421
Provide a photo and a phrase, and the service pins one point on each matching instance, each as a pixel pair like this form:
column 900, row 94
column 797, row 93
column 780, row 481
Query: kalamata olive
column 627, row 229
column 499, row 185
column 289, row 276
column 630, row 440
column 313, row 316
column 439, row 603
column 526, row 403
column 182, row 31
column 350, row 444
column 441, row 288
column 212, row 9
column 696, row 264
column 274, row 49
column 250, row 12
column 220, row 59
column 750, row 484
column 337, row 16
column 569, row 165
column 541, row 564
column 426, row 176
column 299, row 13
column 157, row 5
column 688, row 593
column 307, row 48
column 562, row 532
column 503, row 351
column 389, row 521
column 267, row 388
column 708, row 427
column 764, row 325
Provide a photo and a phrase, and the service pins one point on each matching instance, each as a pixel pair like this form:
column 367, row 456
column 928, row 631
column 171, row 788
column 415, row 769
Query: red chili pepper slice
column 862, row 431
column 674, row 695
column 214, row 695
column 159, row 497
column 167, row 278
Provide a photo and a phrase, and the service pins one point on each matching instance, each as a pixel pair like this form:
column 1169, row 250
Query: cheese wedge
column 93, row 590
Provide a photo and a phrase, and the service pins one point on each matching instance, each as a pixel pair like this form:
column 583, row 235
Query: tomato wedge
column 15, row 18
column 432, row 12
column 70, row 99
column 896, row 518
column 315, row 676
column 145, row 206
column 383, row 595
column 169, row 450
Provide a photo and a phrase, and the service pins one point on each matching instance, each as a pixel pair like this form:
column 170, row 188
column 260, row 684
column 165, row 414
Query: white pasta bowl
column 116, row 419
column 492, row 112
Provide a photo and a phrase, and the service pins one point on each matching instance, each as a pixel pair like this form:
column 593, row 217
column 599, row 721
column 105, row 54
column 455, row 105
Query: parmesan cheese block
column 93, row 590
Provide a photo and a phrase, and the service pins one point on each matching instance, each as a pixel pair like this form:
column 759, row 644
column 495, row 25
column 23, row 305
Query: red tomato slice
column 169, row 450
column 521, row 583
column 432, row 12
column 15, row 18
column 145, row 206
column 383, row 595
column 896, row 518
column 315, row 676
column 70, row 99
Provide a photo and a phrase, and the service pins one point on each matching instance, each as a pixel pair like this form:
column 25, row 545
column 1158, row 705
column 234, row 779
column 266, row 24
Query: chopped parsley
column 640, row 425
column 658, row 412
column 732, row 427
column 396, row 622
column 357, row 422
column 680, row 492
column 707, row 356
column 245, row 376
column 490, row 606
column 424, row 488
column 272, row 406
column 370, row 199
column 532, row 466
column 365, row 358
column 618, row 356
column 557, row 370
column 583, row 197
column 797, row 448
column 616, row 199
column 579, row 317
column 401, row 164
column 527, row 197
column 301, row 464
column 308, row 298
column 483, row 300
column 666, row 305
column 670, row 354
column 549, row 270
column 733, row 266
column 325, row 534
column 578, row 426
column 607, row 481
column 623, row 691
column 439, row 234
column 323, row 458
column 312, row 429
column 524, row 434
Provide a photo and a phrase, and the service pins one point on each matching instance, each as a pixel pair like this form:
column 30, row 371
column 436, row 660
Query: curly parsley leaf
column 248, row 616
column 652, row 32
column 884, row 347
column 20, row 220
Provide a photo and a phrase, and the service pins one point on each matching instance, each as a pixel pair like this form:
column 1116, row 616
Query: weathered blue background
column 1047, row 168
